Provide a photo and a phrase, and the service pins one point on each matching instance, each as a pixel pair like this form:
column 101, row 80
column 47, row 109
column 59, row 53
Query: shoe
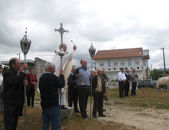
column 63, row 107
column 77, row 111
column 102, row 115
column 104, row 109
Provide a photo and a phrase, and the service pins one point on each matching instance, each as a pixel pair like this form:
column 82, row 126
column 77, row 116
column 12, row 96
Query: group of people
column 79, row 88
column 124, row 79
column 79, row 85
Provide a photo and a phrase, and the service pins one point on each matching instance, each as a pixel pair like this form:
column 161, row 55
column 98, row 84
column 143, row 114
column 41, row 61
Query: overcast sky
column 109, row 24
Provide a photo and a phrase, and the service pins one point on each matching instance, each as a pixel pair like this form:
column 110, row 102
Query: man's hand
column 61, row 71
column 34, row 84
column 79, row 74
column 105, row 80
column 25, row 82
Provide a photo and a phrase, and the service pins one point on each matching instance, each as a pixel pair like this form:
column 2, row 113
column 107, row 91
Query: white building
column 113, row 60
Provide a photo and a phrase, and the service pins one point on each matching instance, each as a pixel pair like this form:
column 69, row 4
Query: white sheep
column 162, row 82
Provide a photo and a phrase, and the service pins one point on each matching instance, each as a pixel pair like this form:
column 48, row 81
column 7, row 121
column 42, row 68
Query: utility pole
column 19, row 55
column 164, row 62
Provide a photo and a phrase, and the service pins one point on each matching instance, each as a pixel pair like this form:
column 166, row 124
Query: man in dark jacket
column 13, row 95
column 127, row 83
column 48, row 85
column 72, row 91
column 98, row 93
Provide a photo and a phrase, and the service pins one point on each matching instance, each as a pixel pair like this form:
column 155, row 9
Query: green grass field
column 149, row 98
column 146, row 98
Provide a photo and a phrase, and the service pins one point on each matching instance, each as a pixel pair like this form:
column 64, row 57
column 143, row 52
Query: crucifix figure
column 61, row 31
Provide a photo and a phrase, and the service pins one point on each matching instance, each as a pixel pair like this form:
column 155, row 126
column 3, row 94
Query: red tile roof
column 119, row 53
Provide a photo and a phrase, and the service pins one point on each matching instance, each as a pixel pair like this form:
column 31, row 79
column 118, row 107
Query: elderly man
column 66, row 66
column 82, row 75
column 72, row 91
column 98, row 84
column 13, row 94
column 121, row 81
column 48, row 85
column 134, row 79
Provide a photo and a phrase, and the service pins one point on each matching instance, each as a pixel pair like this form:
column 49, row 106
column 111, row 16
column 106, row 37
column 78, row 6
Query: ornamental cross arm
column 61, row 30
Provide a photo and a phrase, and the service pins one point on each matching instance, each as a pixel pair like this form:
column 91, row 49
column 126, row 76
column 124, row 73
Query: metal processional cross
column 61, row 53
column 61, row 31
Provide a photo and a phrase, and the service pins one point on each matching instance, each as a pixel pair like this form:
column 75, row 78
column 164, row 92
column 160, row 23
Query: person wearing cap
column 72, row 91
column 121, row 82
column 13, row 93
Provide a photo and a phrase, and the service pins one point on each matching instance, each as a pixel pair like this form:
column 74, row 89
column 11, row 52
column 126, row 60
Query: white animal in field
column 162, row 82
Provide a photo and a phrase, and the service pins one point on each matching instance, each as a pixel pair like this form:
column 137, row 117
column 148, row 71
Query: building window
column 131, row 68
column 138, row 68
column 122, row 63
column 129, row 63
column 115, row 64
column 109, row 68
column 145, row 63
column 137, row 63
column 101, row 64
column 109, row 63
column 114, row 68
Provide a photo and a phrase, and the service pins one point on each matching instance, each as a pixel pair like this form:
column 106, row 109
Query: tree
column 156, row 74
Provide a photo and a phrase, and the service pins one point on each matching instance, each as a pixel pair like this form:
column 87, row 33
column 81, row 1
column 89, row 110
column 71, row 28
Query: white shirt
column 121, row 76
column 1, row 79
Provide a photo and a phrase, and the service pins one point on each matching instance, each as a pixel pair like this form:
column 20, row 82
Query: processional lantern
column 25, row 43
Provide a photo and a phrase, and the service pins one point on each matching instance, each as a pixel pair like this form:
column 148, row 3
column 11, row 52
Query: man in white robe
column 66, row 66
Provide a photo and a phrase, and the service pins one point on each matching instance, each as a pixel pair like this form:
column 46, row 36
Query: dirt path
column 146, row 119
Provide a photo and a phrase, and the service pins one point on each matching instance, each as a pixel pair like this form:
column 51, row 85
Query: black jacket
column 94, row 83
column 71, row 82
column 48, row 85
column 13, row 87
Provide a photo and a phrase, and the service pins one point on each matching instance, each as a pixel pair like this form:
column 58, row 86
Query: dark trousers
column 83, row 98
column 51, row 115
column 72, row 97
column 30, row 96
column 121, row 88
column 127, row 85
column 133, row 90
column 98, row 103
column 11, row 114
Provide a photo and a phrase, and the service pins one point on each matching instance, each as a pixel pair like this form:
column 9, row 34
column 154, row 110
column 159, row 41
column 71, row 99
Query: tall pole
column 92, row 51
column 61, row 53
column 25, row 97
column 164, row 62
column 25, row 45
column 91, row 91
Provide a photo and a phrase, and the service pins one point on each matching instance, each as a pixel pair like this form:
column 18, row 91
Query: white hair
column 99, row 69
column 49, row 65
